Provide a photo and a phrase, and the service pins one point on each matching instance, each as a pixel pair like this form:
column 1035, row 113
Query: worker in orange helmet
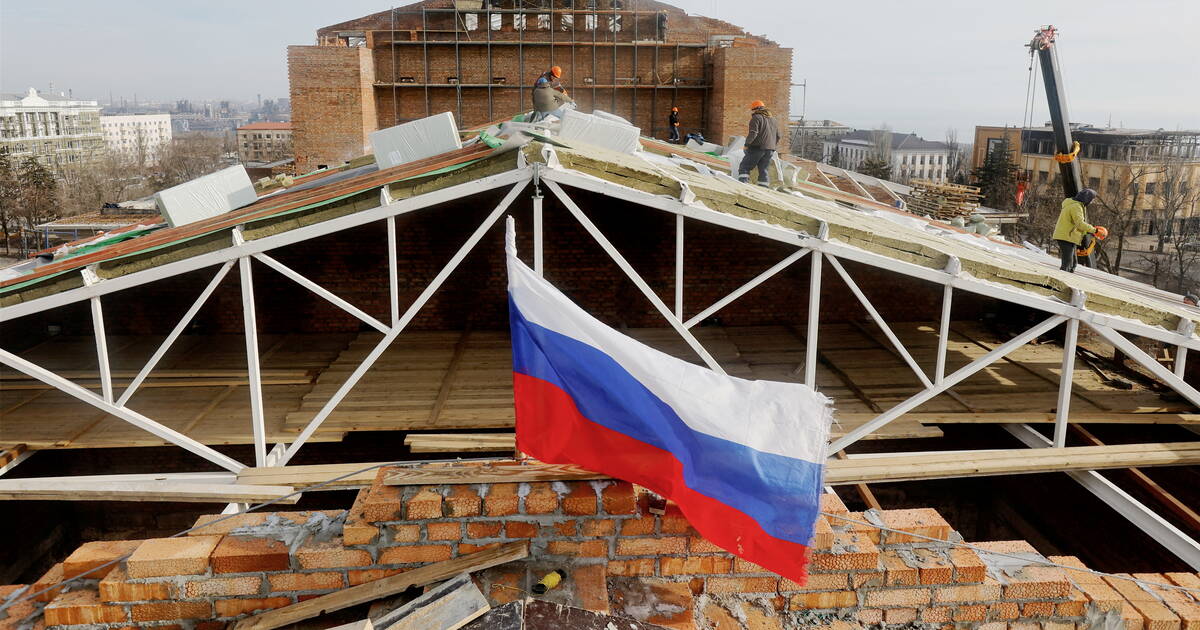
column 1074, row 234
column 673, row 123
column 761, row 141
column 549, row 96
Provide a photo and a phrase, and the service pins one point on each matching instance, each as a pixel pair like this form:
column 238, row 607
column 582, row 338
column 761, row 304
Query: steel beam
column 950, row 381
column 742, row 290
column 106, row 386
column 1143, row 517
column 404, row 320
column 635, row 277
column 1137, row 354
column 174, row 334
column 1065, row 381
column 250, row 322
column 16, row 461
column 887, row 331
column 124, row 413
column 538, row 234
column 943, row 334
column 393, row 270
column 324, row 293
column 814, row 321
column 679, row 267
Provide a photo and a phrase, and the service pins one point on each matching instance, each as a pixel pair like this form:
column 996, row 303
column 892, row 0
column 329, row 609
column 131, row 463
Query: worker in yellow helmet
column 761, row 141
column 673, row 123
column 548, row 94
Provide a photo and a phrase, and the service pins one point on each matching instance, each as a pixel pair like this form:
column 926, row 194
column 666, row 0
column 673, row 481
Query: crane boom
column 1056, row 97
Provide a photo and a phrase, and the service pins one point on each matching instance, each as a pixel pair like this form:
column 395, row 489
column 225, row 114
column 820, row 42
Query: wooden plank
column 372, row 591
column 503, row 471
column 1018, row 417
column 1160, row 494
column 447, row 606
column 65, row 490
column 1009, row 462
column 10, row 453
column 305, row 476
column 448, row 379
column 460, row 442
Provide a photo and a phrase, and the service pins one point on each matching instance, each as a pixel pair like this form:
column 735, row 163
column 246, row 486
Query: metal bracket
column 89, row 275
column 385, row 196
column 537, row 180
column 823, row 231
column 953, row 266
column 1186, row 327
column 238, row 238
column 685, row 193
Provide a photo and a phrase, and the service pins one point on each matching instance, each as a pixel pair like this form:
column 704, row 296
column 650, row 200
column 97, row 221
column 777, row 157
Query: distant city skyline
column 919, row 66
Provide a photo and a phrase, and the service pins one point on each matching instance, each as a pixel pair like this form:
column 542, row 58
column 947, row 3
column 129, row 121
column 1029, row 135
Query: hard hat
column 556, row 71
column 757, row 104
column 674, row 109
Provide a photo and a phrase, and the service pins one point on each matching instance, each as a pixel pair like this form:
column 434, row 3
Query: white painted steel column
column 1180, row 361
column 538, row 235
column 943, row 334
column 814, row 319
column 1155, row 526
column 257, row 420
column 1065, row 382
column 745, row 288
column 887, row 331
column 393, row 271
column 950, row 381
column 124, row 413
column 175, row 332
column 102, row 350
column 679, row 267
column 387, row 340
column 637, row 279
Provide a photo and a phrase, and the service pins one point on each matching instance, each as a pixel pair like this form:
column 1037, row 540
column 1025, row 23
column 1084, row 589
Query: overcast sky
column 917, row 65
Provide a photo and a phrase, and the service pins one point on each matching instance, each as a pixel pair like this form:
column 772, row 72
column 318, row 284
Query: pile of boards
column 943, row 201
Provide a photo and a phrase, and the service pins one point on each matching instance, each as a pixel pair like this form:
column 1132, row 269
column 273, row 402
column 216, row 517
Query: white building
column 137, row 136
column 58, row 130
column 911, row 157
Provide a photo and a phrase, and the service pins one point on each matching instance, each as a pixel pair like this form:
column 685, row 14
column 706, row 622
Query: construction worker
column 761, row 141
column 673, row 123
column 548, row 94
column 1072, row 228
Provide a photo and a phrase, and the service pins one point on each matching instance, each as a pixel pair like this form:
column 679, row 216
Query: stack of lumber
column 943, row 201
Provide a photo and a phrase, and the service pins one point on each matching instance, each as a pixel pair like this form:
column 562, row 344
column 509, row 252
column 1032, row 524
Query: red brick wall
column 606, row 539
column 745, row 74
column 333, row 106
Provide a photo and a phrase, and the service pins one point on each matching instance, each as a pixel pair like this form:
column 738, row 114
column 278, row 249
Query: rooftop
column 267, row 126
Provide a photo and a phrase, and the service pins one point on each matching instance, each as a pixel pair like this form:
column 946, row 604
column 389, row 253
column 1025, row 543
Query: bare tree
column 186, row 158
column 956, row 165
column 1118, row 209
column 10, row 195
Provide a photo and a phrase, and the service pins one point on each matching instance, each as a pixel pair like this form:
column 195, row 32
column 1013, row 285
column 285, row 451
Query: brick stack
column 620, row 557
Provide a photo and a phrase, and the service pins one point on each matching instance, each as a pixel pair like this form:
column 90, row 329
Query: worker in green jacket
column 1073, row 232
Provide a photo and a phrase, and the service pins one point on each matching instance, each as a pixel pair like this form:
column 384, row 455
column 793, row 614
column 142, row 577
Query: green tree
column 876, row 167
column 10, row 194
column 997, row 177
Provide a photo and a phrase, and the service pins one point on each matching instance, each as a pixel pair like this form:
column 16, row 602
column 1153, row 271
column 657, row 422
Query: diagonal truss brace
column 745, row 288
column 862, row 298
column 950, row 381
column 633, row 275
column 1137, row 354
column 124, row 413
column 328, row 295
column 399, row 325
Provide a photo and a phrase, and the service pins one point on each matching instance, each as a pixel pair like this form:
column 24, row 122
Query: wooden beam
column 1168, row 500
column 868, row 497
column 1024, row 417
column 448, row 379
column 10, row 453
column 447, row 606
column 1009, row 462
column 60, row 489
column 305, row 476
column 503, row 471
column 460, row 442
column 364, row 593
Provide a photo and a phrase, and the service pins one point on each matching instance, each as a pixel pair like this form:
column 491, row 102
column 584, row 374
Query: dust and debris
column 319, row 527
column 560, row 488
column 1097, row 619
column 523, row 490
column 1002, row 567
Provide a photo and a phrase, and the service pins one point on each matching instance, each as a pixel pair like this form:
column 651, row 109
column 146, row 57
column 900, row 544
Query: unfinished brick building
column 634, row 58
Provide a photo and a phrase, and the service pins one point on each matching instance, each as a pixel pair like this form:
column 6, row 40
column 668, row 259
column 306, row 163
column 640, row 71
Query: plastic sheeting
column 600, row 132
column 208, row 196
column 415, row 140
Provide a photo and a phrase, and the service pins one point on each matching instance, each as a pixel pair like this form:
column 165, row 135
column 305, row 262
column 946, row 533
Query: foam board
column 415, row 140
column 600, row 132
column 607, row 116
column 704, row 147
column 208, row 196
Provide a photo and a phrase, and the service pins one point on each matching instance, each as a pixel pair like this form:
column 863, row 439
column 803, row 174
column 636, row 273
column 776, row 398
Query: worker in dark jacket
column 1073, row 231
column 761, row 141
column 673, row 123
column 549, row 96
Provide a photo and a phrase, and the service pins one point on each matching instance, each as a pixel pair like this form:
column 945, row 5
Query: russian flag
column 742, row 459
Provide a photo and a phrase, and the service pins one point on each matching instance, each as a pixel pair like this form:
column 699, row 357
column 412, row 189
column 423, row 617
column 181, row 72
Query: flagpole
column 510, row 249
